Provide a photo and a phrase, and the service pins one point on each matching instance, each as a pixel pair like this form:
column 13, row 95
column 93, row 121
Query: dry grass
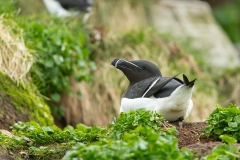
column 119, row 16
column 15, row 60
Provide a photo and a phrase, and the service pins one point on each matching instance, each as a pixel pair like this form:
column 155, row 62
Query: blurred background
column 74, row 42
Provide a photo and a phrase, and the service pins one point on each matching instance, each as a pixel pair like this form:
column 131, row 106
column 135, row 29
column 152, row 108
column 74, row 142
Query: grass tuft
column 15, row 60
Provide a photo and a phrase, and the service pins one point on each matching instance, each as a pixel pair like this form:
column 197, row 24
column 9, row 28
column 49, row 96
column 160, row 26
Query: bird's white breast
column 179, row 104
column 138, row 103
column 170, row 110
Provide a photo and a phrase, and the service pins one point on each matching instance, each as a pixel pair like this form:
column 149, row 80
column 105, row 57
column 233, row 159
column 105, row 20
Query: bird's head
column 137, row 70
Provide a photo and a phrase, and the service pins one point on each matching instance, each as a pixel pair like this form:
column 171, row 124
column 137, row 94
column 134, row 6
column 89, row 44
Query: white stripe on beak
column 117, row 63
column 127, row 62
column 132, row 64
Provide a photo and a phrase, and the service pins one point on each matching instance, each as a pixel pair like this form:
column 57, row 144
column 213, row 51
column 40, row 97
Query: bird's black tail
column 186, row 81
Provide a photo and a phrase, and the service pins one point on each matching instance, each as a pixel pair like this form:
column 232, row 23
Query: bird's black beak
column 116, row 61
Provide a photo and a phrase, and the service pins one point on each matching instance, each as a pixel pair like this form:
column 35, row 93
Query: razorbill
column 148, row 89
column 65, row 8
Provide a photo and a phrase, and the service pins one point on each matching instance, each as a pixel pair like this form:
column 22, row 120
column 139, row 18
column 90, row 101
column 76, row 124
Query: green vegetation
column 224, row 124
column 129, row 121
column 47, row 135
column 225, row 151
column 47, row 142
column 150, row 146
column 224, row 121
column 135, row 134
column 60, row 53
column 8, row 7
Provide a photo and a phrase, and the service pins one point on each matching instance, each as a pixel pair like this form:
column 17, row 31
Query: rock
column 194, row 20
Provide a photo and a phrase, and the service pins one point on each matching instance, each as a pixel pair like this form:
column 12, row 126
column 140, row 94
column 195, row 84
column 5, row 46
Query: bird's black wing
column 159, row 85
column 167, row 90
column 138, row 89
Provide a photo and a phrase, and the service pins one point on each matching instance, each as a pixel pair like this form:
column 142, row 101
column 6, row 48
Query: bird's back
column 167, row 90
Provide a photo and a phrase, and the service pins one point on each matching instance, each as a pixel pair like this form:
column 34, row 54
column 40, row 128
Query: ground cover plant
column 34, row 141
column 133, row 135
column 144, row 129
column 148, row 146
column 224, row 121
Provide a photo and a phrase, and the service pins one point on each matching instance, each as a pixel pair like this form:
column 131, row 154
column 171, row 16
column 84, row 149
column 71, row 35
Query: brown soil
column 10, row 115
column 189, row 136
column 189, row 133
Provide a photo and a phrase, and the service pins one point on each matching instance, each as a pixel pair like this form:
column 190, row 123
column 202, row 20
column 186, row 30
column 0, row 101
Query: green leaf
column 232, row 124
column 237, row 119
column 49, row 63
column 82, row 128
column 228, row 139
column 58, row 59
column 48, row 130
column 218, row 131
column 56, row 97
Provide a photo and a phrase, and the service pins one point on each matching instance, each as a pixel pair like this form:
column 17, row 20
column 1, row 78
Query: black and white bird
column 148, row 89
column 64, row 8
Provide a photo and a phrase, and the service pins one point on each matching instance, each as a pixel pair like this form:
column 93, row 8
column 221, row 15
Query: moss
column 26, row 100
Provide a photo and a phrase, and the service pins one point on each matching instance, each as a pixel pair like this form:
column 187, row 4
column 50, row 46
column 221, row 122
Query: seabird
column 148, row 89
column 65, row 8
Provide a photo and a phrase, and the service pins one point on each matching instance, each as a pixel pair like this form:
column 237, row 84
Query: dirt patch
column 189, row 133
column 9, row 115
column 189, row 136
